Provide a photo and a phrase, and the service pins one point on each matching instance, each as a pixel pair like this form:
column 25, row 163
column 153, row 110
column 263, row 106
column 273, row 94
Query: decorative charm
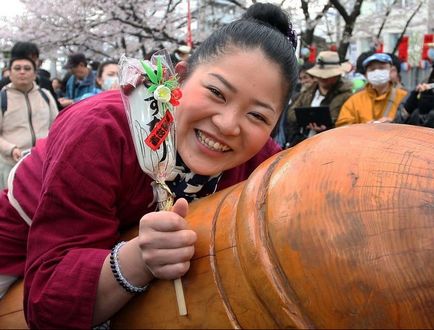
column 150, row 91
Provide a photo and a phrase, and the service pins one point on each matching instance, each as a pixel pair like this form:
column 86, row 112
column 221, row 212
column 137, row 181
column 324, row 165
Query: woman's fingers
column 181, row 207
column 171, row 271
column 166, row 243
column 151, row 239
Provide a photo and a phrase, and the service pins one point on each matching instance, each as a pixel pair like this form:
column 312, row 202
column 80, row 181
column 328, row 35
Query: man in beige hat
column 329, row 89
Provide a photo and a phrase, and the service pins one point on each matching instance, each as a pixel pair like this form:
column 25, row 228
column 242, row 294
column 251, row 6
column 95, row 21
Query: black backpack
column 4, row 99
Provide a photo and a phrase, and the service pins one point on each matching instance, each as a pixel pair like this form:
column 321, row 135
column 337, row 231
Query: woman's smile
column 225, row 119
column 210, row 142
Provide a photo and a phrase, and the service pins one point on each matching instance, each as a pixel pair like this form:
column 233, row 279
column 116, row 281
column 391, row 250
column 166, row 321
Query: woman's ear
column 181, row 69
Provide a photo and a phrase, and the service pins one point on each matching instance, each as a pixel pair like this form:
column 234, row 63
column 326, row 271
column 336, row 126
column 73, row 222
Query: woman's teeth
column 211, row 144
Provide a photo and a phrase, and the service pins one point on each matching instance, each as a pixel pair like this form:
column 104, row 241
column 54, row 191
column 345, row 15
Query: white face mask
column 378, row 77
column 109, row 82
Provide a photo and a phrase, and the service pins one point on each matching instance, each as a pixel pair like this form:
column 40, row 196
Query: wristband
column 117, row 273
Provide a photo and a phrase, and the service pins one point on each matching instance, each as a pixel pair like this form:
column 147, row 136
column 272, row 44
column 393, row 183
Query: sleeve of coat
column 347, row 115
column 75, row 222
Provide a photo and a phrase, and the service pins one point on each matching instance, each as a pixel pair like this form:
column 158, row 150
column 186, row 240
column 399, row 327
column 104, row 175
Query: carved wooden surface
column 337, row 232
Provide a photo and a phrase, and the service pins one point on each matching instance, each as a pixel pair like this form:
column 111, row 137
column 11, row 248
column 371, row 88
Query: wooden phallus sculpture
column 337, row 232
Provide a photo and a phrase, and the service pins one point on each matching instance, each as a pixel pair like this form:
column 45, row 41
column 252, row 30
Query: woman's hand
column 16, row 154
column 423, row 87
column 64, row 102
column 166, row 243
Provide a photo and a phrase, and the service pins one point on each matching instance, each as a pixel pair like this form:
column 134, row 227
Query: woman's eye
column 259, row 117
column 216, row 92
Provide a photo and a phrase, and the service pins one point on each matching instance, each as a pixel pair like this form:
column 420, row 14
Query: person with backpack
column 30, row 50
column 27, row 112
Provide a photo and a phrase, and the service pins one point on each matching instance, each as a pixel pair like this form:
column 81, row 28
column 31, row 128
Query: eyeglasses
column 24, row 67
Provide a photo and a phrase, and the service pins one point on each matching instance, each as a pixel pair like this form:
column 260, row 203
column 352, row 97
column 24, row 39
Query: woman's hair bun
column 273, row 16
column 269, row 14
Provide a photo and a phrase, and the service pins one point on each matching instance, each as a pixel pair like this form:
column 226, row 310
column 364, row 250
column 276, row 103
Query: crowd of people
column 378, row 97
column 76, row 183
column 47, row 96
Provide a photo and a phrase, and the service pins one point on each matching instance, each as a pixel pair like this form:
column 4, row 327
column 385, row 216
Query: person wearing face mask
column 106, row 79
column 379, row 100
column 107, row 75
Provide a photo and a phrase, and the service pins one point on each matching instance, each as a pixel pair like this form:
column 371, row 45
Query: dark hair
column 359, row 62
column 24, row 49
column 94, row 65
column 13, row 59
column 264, row 26
column 44, row 73
column 396, row 62
column 75, row 59
column 305, row 66
column 102, row 66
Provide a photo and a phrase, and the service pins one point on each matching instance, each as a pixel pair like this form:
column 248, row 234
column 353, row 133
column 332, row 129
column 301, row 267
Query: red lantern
column 428, row 38
column 312, row 56
column 403, row 49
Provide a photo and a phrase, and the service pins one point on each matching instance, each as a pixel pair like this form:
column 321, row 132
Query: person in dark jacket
column 82, row 82
column 418, row 107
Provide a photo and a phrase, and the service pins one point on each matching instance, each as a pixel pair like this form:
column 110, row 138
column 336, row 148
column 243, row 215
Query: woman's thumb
column 181, row 207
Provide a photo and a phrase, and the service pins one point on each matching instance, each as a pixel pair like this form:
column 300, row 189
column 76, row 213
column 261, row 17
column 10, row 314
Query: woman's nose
column 227, row 122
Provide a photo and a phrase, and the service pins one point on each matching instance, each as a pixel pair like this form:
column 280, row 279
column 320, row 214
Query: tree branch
column 389, row 10
column 406, row 26
column 341, row 9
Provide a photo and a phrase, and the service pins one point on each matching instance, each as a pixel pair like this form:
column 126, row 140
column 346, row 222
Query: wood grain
column 337, row 232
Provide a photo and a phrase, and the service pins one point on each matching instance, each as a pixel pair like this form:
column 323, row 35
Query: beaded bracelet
column 116, row 270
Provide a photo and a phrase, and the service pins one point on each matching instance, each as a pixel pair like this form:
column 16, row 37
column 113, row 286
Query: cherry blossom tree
column 102, row 29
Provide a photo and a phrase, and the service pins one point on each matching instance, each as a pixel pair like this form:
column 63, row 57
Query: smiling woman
column 88, row 184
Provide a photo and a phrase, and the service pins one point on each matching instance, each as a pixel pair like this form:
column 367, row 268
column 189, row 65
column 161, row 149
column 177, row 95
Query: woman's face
column 109, row 77
column 22, row 74
column 228, row 110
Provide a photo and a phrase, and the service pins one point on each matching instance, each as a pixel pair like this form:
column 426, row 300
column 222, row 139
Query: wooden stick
column 180, row 297
column 179, row 290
